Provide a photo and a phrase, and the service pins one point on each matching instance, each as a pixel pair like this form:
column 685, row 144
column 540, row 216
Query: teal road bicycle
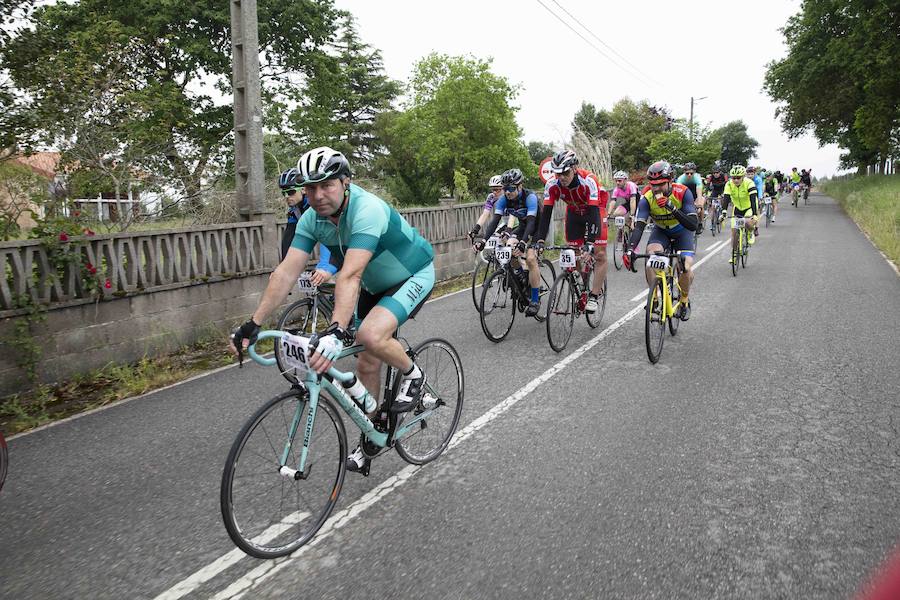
column 285, row 470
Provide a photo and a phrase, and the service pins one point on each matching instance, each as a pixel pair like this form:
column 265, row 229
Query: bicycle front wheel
column 594, row 318
column 619, row 249
column 444, row 389
column 268, row 514
column 498, row 306
column 479, row 275
column 655, row 322
column 745, row 248
column 548, row 275
column 675, row 294
column 561, row 312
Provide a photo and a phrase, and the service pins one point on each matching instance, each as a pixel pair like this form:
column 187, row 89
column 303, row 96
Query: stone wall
column 168, row 289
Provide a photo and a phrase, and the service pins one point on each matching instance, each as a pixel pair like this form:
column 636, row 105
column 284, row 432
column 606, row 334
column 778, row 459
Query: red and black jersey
column 585, row 191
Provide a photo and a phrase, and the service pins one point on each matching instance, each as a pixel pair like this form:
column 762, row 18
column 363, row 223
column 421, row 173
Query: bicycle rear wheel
column 445, row 383
column 561, row 312
column 654, row 323
column 548, row 275
column 4, row 460
column 268, row 514
column 498, row 306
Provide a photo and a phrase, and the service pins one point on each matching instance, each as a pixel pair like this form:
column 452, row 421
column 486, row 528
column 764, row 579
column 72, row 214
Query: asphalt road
column 759, row 459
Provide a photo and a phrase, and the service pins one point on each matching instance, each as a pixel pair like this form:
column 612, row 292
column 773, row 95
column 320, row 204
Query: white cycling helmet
column 620, row 175
column 496, row 181
column 320, row 164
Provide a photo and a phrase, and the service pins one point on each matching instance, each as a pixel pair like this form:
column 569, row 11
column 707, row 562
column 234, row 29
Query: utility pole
column 691, row 121
column 248, row 147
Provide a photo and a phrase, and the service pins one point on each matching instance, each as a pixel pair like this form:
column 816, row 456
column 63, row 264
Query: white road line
column 243, row 584
column 211, row 570
column 641, row 295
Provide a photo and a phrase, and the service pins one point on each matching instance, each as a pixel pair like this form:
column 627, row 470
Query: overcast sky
column 676, row 50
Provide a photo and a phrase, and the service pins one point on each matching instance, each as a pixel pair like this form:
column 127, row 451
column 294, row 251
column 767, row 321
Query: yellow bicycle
column 663, row 299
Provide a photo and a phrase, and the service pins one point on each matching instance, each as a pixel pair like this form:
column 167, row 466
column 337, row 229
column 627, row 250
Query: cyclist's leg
column 600, row 263
column 376, row 332
column 683, row 242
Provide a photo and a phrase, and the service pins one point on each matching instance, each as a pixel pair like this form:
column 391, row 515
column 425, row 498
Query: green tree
column 676, row 147
column 458, row 126
column 158, row 62
column 593, row 122
column 538, row 151
column 343, row 99
column 737, row 145
column 839, row 78
column 632, row 127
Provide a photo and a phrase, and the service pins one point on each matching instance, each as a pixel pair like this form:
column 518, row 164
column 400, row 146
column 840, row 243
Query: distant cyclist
column 495, row 183
column 585, row 223
column 522, row 204
column 692, row 180
column 293, row 194
column 624, row 197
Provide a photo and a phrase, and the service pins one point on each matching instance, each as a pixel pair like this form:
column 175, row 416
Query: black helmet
column 513, row 177
column 290, row 179
column 321, row 164
column 659, row 171
column 563, row 160
column 690, row 167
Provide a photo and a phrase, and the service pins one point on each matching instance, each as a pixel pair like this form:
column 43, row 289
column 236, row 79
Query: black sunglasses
column 288, row 192
column 510, row 188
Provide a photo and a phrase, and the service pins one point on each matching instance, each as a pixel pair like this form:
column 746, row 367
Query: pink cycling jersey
column 628, row 191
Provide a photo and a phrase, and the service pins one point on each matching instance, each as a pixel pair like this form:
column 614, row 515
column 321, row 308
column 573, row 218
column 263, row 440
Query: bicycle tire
column 426, row 356
column 735, row 254
column 675, row 292
column 296, row 319
column 4, row 460
column 745, row 248
column 495, row 304
column 548, row 276
column 561, row 312
column 482, row 269
column 254, row 542
column 654, row 331
column 595, row 318
column 768, row 215
column 619, row 248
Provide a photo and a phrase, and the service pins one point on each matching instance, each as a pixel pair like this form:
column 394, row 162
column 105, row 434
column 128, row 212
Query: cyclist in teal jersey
column 386, row 272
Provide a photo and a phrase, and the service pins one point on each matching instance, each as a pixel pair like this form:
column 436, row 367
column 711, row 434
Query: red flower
column 77, row 213
column 63, row 237
column 91, row 269
column 108, row 284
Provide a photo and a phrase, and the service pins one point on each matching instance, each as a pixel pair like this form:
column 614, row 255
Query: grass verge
column 874, row 203
column 48, row 403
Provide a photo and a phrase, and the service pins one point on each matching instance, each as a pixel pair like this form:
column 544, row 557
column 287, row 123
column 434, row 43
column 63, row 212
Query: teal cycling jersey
column 368, row 223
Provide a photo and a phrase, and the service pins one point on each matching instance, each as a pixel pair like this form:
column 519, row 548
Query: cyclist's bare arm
column 281, row 281
column 346, row 288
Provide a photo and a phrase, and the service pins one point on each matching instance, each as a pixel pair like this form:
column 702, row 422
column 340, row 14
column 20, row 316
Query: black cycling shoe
column 533, row 308
column 685, row 311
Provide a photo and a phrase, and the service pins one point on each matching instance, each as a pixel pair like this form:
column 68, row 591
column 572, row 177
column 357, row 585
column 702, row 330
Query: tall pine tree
column 344, row 96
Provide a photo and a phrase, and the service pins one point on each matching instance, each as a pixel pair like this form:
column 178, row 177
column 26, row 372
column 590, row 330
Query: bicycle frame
column 668, row 311
column 314, row 383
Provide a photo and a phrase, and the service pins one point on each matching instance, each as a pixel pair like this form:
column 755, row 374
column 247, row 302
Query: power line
column 611, row 49
column 594, row 46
